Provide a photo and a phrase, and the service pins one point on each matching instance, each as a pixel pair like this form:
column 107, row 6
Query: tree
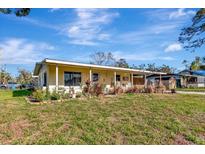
column 186, row 64
column 121, row 63
column 197, row 64
column 193, row 36
column 140, row 67
column 154, row 68
column 166, row 69
column 4, row 76
column 24, row 77
column 19, row 12
column 151, row 67
column 102, row 58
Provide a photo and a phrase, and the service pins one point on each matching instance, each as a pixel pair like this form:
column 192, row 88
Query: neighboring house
column 165, row 79
column 185, row 78
column 53, row 74
column 191, row 78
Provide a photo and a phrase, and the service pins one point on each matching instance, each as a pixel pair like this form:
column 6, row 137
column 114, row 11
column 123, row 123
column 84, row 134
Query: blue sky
column 141, row 36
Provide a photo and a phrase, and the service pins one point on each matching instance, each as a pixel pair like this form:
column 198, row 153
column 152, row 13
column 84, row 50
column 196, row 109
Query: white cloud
column 181, row 13
column 88, row 27
column 36, row 22
column 144, row 56
column 164, row 14
column 134, row 56
column 173, row 47
column 146, row 34
column 164, row 27
column 39, row 23
column 22, row 51
column 54, row 9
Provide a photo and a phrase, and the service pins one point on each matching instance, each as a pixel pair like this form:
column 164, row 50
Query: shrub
column 160, row 88
column 94, row 89
column 118, row 90
column 71, row 92
column 150, row 89
column 78, row 95
column 87, row 88
column 97, row 89
column 55, row 95
column 66, row 96
column 111, row 91
column 48, row 94
column 139, row 89
column 129, row 90
column 19, row 93
column 134, row 89
column 39, row 95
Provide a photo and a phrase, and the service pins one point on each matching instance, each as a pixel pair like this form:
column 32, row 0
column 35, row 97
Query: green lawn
column 125, row 119
column 191, row 89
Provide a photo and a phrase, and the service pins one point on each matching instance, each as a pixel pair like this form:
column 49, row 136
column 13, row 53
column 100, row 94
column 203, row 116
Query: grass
column 125, row 119
column 201, row 89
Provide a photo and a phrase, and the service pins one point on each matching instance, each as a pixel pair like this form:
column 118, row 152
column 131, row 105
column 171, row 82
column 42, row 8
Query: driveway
column 190, row 92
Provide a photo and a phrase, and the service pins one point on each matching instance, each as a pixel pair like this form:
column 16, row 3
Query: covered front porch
column 76, row 77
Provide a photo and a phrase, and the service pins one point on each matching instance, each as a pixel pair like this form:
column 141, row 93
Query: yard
column 202, row 89
column 125, row 119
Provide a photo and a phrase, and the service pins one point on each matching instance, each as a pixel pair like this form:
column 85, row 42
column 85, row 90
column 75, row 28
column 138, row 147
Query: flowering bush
column 87, row 88
column 94, row 89
column 118, row 90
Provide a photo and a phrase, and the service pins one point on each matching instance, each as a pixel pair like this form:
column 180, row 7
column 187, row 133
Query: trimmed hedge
column 19, row 93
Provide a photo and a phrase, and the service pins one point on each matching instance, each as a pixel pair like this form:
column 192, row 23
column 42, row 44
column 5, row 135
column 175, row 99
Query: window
column 45, row 79
column 95, row 77
column 72, row 78
column 201, row 79
column 117, row 77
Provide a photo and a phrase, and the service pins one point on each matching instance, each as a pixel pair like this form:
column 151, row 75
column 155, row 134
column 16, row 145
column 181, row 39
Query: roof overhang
column 76, row 64
column 37, row 69
column 61, row 62
column 187, row 75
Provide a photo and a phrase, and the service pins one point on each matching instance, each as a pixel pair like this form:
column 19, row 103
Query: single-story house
column 185, row 78
column 53, row 74
column 165, row 79
column 192, row 78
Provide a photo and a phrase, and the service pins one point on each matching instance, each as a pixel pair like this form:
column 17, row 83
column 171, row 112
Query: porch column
column 115, row 78
column 145, row 81
column 160, row 79
column 56, row 77
column 132, row 79
column 90, row 75
column 47, row 77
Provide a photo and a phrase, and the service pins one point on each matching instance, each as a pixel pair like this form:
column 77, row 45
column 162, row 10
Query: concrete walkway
column 190, row 92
